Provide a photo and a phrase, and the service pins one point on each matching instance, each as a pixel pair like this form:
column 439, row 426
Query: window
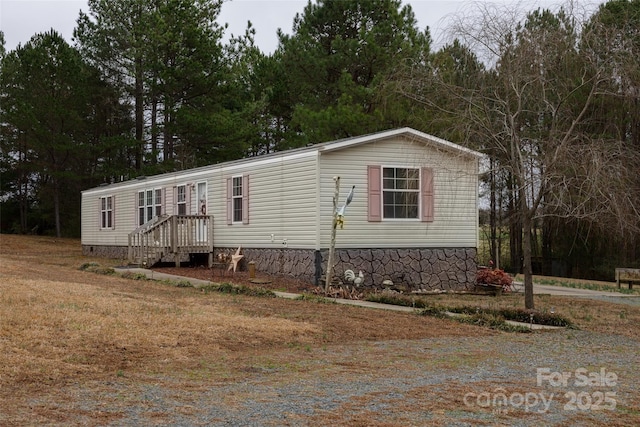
column 237, row 198
column 182, row 200
column 400, row 193
column 149, row 205
column 106, row 212
column 141, row 210
column 158, row 202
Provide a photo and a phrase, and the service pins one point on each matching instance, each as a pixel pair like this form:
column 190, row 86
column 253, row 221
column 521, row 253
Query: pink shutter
column 229, row 202
column 245, row 199
column 427, row 195
column 113, row 212
column 174, row 202
column 189, row 190
column 163, row 208
column 374, row 189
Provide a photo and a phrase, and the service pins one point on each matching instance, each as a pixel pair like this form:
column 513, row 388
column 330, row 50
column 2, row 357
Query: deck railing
column 174, row 235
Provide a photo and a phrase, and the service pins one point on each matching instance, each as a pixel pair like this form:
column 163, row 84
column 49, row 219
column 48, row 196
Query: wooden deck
column 171, row 237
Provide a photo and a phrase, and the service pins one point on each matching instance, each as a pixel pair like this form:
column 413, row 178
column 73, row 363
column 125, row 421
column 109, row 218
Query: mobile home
column 413, row 219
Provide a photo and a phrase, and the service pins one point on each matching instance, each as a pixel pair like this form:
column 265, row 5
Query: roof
column 313, row 150
column 406, row 131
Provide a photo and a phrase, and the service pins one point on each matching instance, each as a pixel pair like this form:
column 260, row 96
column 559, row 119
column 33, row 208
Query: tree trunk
column 154, row 130
column 547, row 242
column 515, row 228
column 526, row 221
column 56, row 207
column 493, row 246
column 167, row 136
column 23, row 190
column 139, row 112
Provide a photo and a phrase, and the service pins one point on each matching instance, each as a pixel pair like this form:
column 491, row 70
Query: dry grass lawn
column 61, row 327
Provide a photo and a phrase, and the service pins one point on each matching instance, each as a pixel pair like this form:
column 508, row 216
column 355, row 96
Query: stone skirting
column 115, row 252
column 408, row 269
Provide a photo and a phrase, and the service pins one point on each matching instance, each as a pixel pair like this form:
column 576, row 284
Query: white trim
column 206, row 198
column 107, row 209
column 331, row 146
column 318, row 237
column 177, row 202
column 417, row 190
column 145, row 206
column 234, row 197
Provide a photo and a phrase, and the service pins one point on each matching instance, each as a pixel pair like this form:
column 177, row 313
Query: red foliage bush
column 494, row 277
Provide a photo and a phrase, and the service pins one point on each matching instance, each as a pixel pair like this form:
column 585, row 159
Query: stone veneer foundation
column 408, row 269
column 115, row 252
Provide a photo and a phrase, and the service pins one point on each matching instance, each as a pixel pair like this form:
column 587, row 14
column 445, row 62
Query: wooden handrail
column 175, row 234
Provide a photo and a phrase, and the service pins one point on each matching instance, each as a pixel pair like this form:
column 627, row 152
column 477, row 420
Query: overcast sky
column 21, row 19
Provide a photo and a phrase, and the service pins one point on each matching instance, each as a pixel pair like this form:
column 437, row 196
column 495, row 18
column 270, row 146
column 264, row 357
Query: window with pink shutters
column 400, row 193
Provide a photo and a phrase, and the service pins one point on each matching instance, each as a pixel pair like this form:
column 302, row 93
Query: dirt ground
column 80, row 348
column 276, row 283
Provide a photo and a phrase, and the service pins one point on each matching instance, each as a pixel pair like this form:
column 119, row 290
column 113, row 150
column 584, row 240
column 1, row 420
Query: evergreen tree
column 51, row 103
column 340, row 54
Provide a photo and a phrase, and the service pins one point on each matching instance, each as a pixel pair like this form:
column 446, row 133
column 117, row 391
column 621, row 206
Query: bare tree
column 530, row 110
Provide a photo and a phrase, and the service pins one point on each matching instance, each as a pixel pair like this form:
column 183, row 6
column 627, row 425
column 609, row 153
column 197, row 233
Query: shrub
column 230, row 288
column 93, row 267
column 494, row 277
column 134, row 276
column 88, row 265
column 397, row 299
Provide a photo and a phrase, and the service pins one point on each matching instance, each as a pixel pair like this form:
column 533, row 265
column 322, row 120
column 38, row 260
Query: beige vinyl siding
column 455, row 188
column 126, row 212
column 123, row 216
column 282, row 202
column 290, row 193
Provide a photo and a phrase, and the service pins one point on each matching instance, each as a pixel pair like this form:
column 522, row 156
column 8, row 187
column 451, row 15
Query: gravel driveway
column 505, row 379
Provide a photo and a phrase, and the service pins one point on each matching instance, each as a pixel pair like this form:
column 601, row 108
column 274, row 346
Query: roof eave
column 406, row 131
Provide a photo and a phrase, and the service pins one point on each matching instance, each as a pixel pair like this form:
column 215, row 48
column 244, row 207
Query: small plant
column 134, row 276
column 88, row 265
column 314, row 298
column 434, row 311
column 397, row 299
column 494, row 276
column 96, row 268
column 230, row 288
